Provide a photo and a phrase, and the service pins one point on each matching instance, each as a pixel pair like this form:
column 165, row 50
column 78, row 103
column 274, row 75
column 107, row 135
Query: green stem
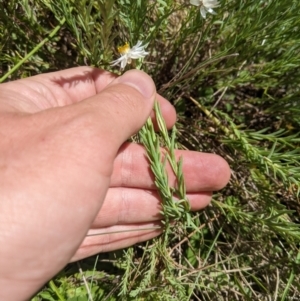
column 41, row 44
column 55, row 289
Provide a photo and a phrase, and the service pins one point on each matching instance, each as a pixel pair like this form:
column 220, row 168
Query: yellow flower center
column 124, row 49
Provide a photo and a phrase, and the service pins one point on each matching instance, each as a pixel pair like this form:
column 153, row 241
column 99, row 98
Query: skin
column 66, row 170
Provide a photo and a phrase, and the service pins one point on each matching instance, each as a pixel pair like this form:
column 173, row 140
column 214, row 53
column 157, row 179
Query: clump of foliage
column 234, row 80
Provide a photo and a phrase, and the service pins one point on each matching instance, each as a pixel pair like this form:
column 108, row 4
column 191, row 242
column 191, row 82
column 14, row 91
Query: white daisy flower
column 206, row 6
column 128, row 54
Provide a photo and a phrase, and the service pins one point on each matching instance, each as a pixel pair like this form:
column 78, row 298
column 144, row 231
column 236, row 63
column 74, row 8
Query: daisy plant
column 160, row 148
column 172, row 209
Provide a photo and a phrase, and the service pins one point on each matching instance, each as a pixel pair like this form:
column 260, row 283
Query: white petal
column 124, row 63
column 137, row 56
column 203, row 12
column 139, row 52
column 138, row 44
column 117, row 62
column 137, row 48
column 210, row 10
column 211, row 3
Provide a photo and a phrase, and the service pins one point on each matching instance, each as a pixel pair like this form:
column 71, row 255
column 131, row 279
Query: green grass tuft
column 234, row 80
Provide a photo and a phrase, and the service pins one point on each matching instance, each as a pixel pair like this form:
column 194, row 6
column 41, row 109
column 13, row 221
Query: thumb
column 124, row 105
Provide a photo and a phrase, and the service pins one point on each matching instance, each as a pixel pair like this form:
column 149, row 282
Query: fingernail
column 138, row 80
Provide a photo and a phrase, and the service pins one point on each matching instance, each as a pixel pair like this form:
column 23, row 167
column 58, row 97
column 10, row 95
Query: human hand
column 63, row 158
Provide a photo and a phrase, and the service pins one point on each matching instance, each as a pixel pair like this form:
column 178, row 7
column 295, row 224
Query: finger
column 118, row 237
column 129, row 205
column 202, row 171
column 90, row 81
column 66, row 87
column 123, row 106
